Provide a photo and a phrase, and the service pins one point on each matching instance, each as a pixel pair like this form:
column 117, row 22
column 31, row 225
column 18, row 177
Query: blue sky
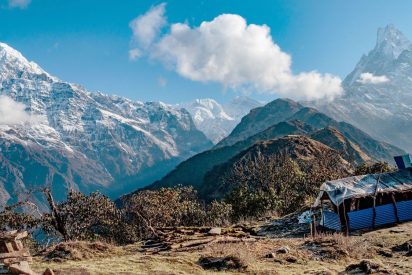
column 87, row 41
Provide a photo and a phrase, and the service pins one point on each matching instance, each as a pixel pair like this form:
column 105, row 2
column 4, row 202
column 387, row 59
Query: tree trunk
column 57, row 221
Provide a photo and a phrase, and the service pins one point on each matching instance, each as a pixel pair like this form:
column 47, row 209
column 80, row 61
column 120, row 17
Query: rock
column 271, row 255
column 279, row 261
column 291, row 259
column 323, row 272
column 405, row 247
column 385, row 253
column 215, row 231
column 222, row 263
column 21, row 268
column 283, row 250
column 365, row 266
column 48, row 272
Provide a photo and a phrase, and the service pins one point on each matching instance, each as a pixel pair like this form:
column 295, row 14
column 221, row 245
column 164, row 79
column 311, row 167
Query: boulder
column 215, row 231
column 283, row 250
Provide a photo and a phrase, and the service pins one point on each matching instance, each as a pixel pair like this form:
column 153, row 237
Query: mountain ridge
column 303, row 121
column 125, row 144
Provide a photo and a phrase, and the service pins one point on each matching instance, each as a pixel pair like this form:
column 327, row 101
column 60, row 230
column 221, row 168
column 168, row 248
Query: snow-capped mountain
column 216, row 120
column 89, row 141
column 378, row 92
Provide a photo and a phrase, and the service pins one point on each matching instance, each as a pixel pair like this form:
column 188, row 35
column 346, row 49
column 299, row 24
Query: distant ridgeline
column 280, row 126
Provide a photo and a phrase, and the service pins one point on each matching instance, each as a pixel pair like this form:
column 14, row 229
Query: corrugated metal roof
column 362, row 186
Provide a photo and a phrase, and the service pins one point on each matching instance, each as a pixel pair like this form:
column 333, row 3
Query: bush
column 10, row 219
column 165, row 207
column 219, row 213
column 277, row 184
column 266, row 184
column 86, row 217
column 373, row 168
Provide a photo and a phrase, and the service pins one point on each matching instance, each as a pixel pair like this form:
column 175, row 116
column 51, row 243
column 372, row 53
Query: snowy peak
column 384, row 61
column 391, row 42
column 217, row 120
column 212, row 107
column 378, row 96
column 13, row 65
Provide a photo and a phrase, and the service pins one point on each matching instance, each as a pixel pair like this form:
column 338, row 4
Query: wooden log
column 189, row 249
column 235, row 240
column 192, row 243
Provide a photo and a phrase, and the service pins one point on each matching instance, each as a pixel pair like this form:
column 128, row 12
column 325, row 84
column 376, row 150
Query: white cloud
column 13, row 113
column 147, row 27
column 369, row 78
column 240, row 56
column 22, row 4
column 134, row 54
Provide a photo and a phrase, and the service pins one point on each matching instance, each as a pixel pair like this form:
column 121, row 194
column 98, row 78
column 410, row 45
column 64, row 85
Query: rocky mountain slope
column 193, row 170
column 353, row 144
column 336, row 140
column 216, row 120
column 300, row 148
column 378, row 96
column 260, row 119
column 88, row 141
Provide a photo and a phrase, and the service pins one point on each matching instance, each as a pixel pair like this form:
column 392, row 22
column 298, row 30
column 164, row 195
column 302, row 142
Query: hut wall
column 360, row 219
column 331, row 220
column 405, row 210
column 385, row 214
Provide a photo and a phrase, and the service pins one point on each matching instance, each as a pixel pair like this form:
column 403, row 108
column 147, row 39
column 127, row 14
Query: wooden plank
column 18, row 245
column 15, row 254
column 21, row 235
column 13, row 235
column 9, row 247
column 17, row 260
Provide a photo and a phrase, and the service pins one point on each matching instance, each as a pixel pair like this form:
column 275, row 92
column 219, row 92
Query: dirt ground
column 386, row 251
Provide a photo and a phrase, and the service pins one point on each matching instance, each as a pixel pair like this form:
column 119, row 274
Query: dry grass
column 327, row 254
column 336, row 246
column 78, row 251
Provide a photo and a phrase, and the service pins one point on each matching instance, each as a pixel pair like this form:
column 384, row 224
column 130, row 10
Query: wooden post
column 374, row 212
column 313, row 230
column 374, row 201
column 395, row 208
column 346, row 219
